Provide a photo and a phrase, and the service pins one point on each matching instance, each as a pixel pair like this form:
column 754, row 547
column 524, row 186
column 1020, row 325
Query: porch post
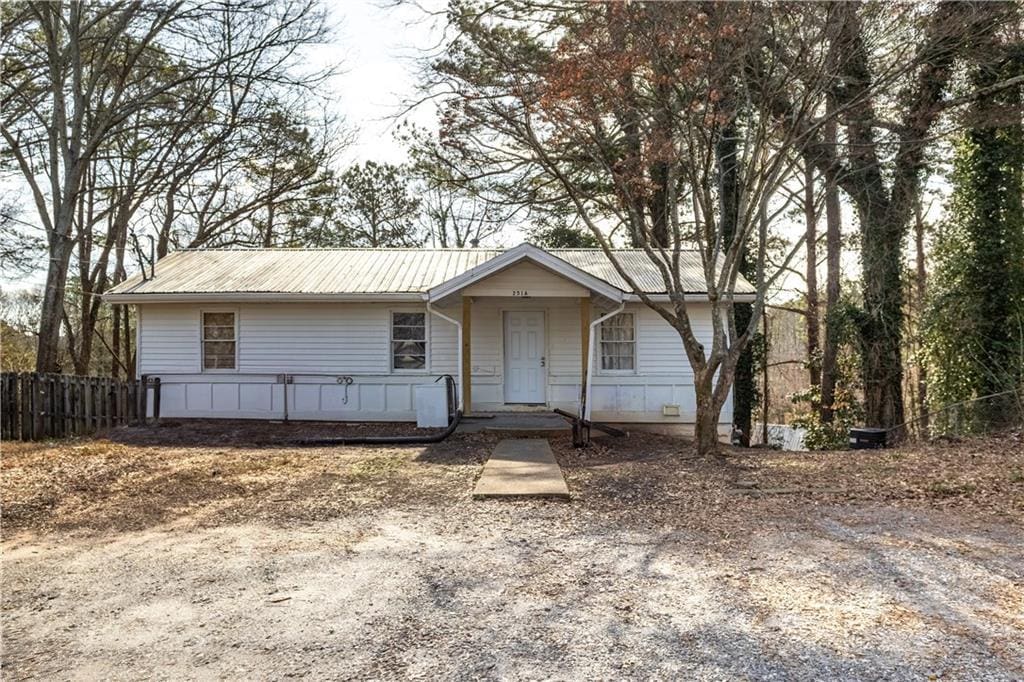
column 467, row 362
column 584, row 346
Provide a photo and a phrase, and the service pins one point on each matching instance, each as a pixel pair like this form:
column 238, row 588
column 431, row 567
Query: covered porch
column 525, row 326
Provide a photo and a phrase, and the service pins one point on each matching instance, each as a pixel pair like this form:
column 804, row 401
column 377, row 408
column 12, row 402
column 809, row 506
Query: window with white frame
column 618, row 343
column 408, row 340
column 219, row 342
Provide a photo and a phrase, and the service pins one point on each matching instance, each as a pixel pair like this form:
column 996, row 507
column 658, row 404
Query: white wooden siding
column 169, row 339
column 659, row 349
column 312, row 338
column 319, row 342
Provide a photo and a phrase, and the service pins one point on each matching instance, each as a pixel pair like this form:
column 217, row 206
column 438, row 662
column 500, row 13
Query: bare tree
column 456, row 209
column 623, row 113
column 80, row 78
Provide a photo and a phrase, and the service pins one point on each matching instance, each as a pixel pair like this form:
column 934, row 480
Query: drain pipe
column 585, row 412
column 458, row 345
column 387, row 440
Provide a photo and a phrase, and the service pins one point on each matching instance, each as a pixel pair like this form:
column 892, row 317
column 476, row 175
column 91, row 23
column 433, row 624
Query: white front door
column 525, row 364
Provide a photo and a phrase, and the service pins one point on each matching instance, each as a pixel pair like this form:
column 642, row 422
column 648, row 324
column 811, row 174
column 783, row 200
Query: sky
column 376, row 45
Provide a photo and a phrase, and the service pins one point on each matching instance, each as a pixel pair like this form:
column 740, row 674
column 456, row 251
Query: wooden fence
column 37, row 406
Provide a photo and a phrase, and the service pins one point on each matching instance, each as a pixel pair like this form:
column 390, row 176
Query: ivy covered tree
column 974, row 328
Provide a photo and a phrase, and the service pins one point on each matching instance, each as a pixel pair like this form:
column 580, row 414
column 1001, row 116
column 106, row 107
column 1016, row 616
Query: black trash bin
column 865, row 438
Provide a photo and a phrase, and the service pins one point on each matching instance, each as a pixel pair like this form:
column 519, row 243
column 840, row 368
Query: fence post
column 100, row 404
column 133, row 400
column 45, row 412
column 143, row 397
column 156, row 400
column 87, row 387
column 108, row 420
column 38, row 408
column 69, row 414
column 80, row 423
column 6, row 408
column 111, row 403
column 48, row 401
column 26, row 406
column 51, row 406
column 9, row 408
column 58, row 400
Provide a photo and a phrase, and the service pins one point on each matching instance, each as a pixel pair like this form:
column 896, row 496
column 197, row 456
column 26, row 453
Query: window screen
column 408, row 340
column 219, row 341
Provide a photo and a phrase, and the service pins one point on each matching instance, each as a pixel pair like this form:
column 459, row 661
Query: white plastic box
column 431, row 405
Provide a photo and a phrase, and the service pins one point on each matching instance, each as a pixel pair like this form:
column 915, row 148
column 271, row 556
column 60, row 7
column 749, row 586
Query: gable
column 525, row 279
column 529, row 254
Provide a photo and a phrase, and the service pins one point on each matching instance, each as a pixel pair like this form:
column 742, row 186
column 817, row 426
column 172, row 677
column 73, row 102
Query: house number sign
column 520, row 292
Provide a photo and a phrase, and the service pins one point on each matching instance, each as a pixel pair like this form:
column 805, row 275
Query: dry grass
column 227, row 472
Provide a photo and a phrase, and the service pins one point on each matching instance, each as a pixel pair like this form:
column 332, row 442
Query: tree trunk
column 163, row 239
column 115, row 342
column 833, row 253
column 765, row 395
column 744, row 393
column 52, row 310
column 659, row 170
column 706, row 433
column 708, row 414
column 120, row 311
column 813, row 331
column 882, row 324
column 881, row 240
column 994, row 227
column 84, row 355
column 920, row 292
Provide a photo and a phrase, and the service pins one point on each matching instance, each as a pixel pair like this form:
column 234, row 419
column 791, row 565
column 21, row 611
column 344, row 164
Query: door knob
column 542, row 361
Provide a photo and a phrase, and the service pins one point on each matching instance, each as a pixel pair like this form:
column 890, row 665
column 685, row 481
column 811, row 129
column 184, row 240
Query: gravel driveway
column 130, row 559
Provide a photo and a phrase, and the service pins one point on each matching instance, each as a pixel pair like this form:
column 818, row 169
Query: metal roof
column 371, row 271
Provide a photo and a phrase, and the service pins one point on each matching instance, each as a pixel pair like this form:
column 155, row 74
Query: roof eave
column 693, row 297
column 515, row 255
column 260, row 296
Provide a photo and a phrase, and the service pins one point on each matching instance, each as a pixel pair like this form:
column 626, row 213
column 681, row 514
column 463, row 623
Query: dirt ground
column 217, row 550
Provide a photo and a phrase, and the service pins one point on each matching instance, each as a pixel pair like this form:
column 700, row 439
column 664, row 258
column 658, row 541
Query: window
column 618, row 343
column 219, row 341
column 408, row 340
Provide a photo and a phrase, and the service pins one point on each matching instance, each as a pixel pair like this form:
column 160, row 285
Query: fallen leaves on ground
column 220, row 472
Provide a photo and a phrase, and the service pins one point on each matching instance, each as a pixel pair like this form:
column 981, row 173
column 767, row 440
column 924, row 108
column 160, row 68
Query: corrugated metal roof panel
column 374, row 271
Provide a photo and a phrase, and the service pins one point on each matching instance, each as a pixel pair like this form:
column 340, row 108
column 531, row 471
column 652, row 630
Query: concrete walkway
column 522, row 467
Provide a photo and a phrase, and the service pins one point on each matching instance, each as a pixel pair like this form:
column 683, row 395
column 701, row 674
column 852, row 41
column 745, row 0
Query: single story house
column 349, row 333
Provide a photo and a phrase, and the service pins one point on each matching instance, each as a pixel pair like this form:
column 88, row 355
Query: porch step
column 513, row 421
column 521, row 467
